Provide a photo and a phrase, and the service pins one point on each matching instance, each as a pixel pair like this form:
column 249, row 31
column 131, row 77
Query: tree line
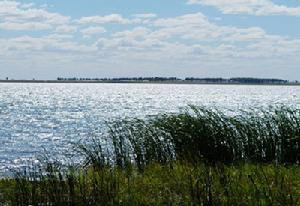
column 241, row 80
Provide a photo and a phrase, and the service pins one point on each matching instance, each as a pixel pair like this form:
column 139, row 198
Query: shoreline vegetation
column 200, row 156
column 163, row 80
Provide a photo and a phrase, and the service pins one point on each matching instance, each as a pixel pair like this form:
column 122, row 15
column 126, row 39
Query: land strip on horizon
column 177, row 81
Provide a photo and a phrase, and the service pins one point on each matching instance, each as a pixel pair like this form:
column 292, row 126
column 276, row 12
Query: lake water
column 38, row 117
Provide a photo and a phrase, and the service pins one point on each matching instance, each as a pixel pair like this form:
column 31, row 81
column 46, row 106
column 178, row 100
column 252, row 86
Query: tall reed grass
column 200, row 156
column 202, row 134
column 179, row 183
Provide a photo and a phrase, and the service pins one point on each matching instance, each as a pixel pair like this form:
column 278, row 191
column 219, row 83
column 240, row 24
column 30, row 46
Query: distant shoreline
column 145, row 82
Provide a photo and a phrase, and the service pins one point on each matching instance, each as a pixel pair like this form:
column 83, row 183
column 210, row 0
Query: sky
column 132, row 38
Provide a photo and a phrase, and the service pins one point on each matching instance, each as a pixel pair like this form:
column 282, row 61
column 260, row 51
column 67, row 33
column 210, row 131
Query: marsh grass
column 201, row 134
column 200, row 156
column 178, row 183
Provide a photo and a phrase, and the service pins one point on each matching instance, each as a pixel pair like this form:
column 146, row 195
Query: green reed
column 199, row 133
column 177, row 183
column 200, row 156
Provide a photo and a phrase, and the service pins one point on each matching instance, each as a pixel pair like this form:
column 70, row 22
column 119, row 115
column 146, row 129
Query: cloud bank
column 51, row 44
column 251, row 7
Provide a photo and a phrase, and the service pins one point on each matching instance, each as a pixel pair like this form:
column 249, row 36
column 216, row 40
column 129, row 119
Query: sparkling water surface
column 38, row 117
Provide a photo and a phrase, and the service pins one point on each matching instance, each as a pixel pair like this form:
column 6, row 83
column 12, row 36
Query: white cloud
column 47, row 44
column 252, row 7
column 117, row 19
column 193, row 37
column 15, row 11
column 93, row 30
column 59, row 36
column 186, row 38
column 24, row 26
column 132, row 34
column 145, row 15
column 66, row 29
column 196, row 19
column 197, row 27
column 27, row 6
column 109, row 19
column 19, row 16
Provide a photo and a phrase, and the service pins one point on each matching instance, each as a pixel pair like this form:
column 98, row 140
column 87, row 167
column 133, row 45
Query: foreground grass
column 176, row 183
column 198, row 157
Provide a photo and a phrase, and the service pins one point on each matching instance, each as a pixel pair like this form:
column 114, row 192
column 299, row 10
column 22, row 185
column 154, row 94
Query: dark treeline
column 241, row 80
column 237, row 80
column 213, row 80
column 259, row 81
column 121, row 79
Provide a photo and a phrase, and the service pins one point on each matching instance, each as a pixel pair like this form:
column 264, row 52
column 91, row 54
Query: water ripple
column 52, row 116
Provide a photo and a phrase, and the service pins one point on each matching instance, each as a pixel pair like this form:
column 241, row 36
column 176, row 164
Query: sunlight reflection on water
column 34, row 117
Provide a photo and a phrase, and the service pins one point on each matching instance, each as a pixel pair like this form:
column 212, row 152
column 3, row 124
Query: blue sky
column 200, row 38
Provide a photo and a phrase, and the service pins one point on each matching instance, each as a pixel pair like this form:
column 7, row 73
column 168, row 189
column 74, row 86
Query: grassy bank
column 198, row 157
column 177, row 183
